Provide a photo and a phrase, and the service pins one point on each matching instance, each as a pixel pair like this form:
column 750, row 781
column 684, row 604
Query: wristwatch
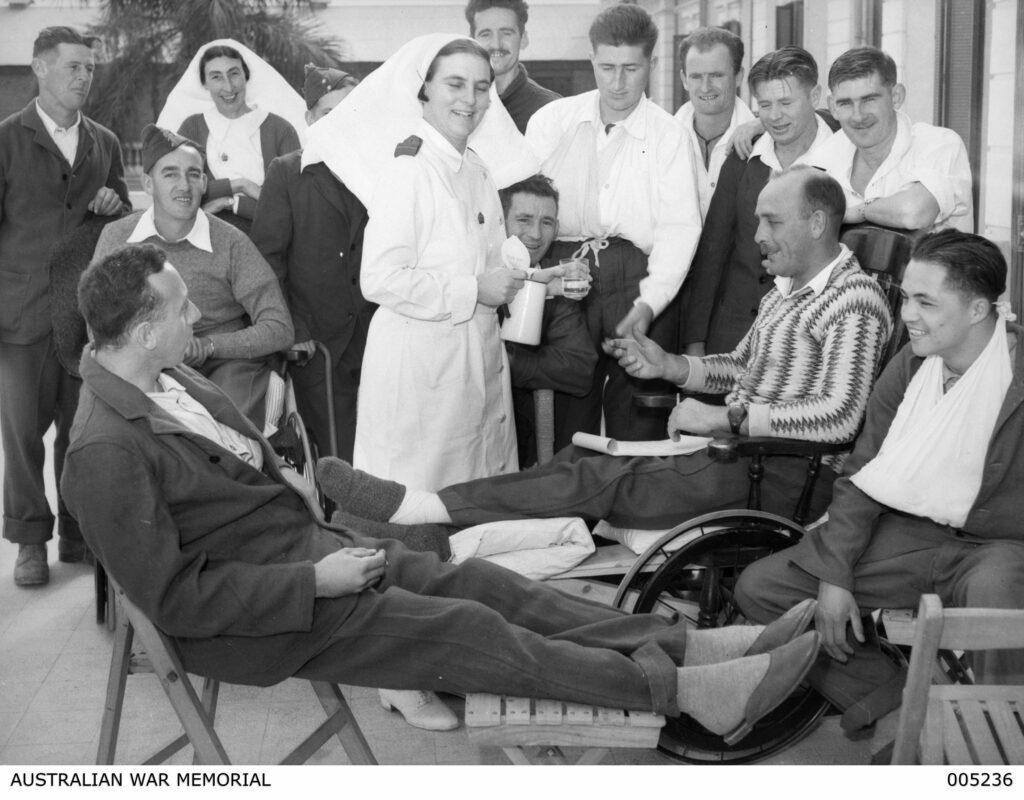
column 736, row 414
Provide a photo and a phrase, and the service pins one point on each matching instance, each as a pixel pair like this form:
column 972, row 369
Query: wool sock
column 716, row 695
column 420, row 507
column 715, row 645
column 359, row 493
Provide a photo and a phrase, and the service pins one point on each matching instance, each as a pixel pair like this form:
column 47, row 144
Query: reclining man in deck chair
column 804, row 370
column 183, row 501
column 930, row 500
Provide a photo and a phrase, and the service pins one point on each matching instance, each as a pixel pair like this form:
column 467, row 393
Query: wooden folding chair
column 161, row 657
column 957, row 724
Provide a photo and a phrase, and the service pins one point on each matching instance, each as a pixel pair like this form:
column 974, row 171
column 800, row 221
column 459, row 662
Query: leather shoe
column 71, row 551
column 31, row 568
column 788, row 666
column 785, row 629
column 421, row 709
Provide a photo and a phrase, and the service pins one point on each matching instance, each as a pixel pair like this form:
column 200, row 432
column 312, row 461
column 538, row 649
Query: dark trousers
column 615, row 286
column 643, row 492
column 963, row 571
column 245, row 381
column 35, row 392
column 311, row 396
column 475, row 627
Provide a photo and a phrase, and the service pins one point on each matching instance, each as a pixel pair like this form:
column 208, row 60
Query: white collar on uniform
column 764, row 147
column 818, row 283
column 198, row 237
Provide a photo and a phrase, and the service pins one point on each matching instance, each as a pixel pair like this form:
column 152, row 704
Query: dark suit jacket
column 42, row 198
column 309, row 227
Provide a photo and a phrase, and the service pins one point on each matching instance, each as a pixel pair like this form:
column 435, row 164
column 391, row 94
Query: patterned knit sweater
column 806, row 366
column 243, row 310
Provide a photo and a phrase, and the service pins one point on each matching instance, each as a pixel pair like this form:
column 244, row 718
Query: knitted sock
column 420, row 507
column 716, row 695
column 357, row 492
column 715, row 645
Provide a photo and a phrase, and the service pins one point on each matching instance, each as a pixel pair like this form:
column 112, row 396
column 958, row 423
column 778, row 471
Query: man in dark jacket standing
column 309, row 226
column 57, row 168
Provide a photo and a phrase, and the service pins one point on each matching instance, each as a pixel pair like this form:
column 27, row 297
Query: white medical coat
column 435, row 402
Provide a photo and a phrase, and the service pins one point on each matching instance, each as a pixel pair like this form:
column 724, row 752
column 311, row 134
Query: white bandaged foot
column 419, row 507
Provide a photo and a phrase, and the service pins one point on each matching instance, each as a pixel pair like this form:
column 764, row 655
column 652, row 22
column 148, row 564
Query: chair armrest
column 728, row 449
column 655, row 399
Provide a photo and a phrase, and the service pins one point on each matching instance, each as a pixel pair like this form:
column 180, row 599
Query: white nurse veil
column 266, row 88
column 357, row 139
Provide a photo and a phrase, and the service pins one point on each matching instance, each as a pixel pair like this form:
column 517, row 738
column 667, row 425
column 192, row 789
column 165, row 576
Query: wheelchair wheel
column 698, row 563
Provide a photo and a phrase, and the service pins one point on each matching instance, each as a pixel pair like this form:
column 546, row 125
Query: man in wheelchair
column 183, row 502
column 245, row 322
column 803, row 370
column 930, row 500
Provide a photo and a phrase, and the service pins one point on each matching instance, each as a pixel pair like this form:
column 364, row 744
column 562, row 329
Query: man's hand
column 742, row 139
column 105, row 203
column 196, row 353
column 349, row 571
column 499, row 286
column 641, row 357
column 836, row 607
column 639, row 319
column 219, row 204
column 246, row 187
column 693, row 416
column 306, row 348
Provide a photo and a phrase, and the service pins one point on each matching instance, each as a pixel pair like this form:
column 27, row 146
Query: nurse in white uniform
column 418, row 141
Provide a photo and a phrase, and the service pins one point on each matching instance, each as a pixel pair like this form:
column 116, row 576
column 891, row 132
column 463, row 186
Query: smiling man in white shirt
column 712, row 68
column 628, row 205
column 895, row 172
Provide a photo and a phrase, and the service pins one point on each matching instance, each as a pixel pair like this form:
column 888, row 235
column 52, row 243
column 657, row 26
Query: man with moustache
column 309, row 227
column 726, row 283
column 500, row 26
column 712, row 68
column 58, row 169
column 895, row 172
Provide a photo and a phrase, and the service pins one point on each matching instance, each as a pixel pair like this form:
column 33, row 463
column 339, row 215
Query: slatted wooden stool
column 517, row 723
column 159, row 655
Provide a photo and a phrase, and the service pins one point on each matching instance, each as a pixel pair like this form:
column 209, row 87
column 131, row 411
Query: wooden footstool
column 517, row 723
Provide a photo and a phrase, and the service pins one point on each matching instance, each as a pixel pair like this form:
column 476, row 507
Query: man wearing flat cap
column 58, row 169
column 309, row 226
column 245, row 321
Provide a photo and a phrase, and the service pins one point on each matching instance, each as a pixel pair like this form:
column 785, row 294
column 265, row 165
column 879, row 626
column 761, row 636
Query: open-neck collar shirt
column 764, row 148
column 66, row 139
column 707, row 177
column 921, row 153
column 198, row 236
column 636, row 181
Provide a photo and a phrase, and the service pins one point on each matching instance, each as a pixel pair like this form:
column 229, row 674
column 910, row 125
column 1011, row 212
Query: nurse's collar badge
column 480, row 217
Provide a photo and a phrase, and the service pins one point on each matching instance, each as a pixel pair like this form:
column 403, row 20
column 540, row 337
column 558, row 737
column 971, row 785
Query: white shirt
column 921, row 153
column 198, row 236
column 707, row 177
column 638, row 182
column 66, row 139
column 194, row 416
column 764, row 148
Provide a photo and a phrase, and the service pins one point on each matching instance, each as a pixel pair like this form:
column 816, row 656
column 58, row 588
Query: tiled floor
column 53, row 670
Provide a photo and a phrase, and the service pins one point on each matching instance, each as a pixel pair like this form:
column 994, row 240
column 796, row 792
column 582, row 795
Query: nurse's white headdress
column 266, row 89
column 358, row 138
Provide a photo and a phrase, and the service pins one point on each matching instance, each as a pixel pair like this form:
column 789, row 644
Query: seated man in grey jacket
column 186, row 506
column 245, row 320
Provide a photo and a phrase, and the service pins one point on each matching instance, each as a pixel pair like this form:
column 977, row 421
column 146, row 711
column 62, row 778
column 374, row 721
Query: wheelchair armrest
column 655, row 399
column 729, row 449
